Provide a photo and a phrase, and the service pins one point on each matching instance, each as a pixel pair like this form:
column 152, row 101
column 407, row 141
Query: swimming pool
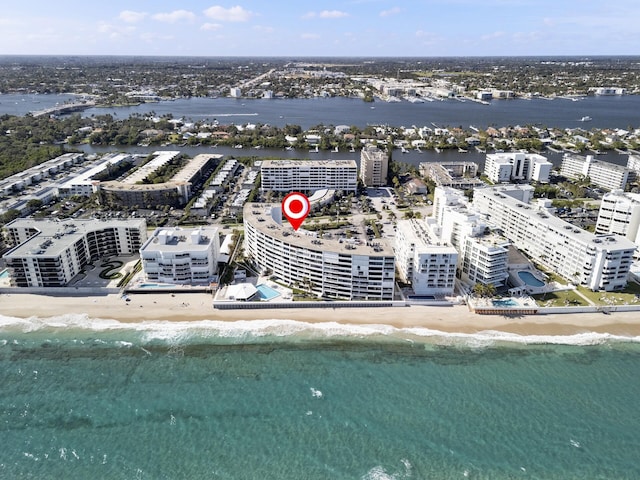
column 154, row 285
column 4, row 273
column 507, row 302
column 265, row 292
column 530, row 279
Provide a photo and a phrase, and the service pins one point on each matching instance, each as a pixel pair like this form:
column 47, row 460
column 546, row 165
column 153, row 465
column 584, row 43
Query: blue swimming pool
column 265, row 292
column 154, row 285
column 506, row 302
column 529, row 279
column 4, row 273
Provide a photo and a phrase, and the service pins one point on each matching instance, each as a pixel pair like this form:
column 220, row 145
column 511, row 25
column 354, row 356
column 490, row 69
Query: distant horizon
column 346, row 28
column 284, row 56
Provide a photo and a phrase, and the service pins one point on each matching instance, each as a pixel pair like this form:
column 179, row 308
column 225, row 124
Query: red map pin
column 296, row 207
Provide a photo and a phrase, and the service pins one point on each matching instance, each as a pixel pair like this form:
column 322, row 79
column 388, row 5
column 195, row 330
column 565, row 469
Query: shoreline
column 192, row 307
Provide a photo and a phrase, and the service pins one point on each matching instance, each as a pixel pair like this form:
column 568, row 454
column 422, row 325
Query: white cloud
column 233, row 14
column 325, row 14
column 492, row 36
column 310, row 36
column 129, row 16
column 392, row 11
column 264, row 29
column 333, row 14
column 115, row 32
column 175, row 16
column 211, row 26
column 152, row 37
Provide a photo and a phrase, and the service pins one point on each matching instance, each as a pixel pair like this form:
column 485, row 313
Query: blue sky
column 321, row 28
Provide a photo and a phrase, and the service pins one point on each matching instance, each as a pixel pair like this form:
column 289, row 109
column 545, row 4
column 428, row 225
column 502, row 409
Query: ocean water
column 85, row 398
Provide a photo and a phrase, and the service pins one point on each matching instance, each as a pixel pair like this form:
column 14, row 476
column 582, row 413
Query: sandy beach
column 197, row 306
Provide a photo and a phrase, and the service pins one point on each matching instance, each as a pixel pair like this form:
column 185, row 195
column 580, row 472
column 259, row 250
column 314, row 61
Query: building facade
column 309, row 175
column 327, row 268
column 598, row 262
column 604, row 174
column 620, row 215
column 483, row 254
column 517, row 167
column 51, row 254
column 374, row 166
column 425, row 262
column 187, row 256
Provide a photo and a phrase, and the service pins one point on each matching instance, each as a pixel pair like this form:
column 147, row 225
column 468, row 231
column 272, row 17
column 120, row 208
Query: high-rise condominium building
column 50, row 254
column 374, row 165
column 309, row 175
column 598, row 262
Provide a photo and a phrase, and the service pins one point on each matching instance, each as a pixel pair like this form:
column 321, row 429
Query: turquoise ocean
column 84, row 398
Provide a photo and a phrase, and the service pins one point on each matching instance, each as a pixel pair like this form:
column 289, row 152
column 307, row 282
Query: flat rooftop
column 55, row 237
column 260, row 216
column 308, row 163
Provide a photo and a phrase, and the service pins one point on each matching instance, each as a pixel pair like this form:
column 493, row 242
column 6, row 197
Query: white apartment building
column 423, row 260
column 604, row 174
column 235, row 92
column 50, row 254
column 517, row 167
column 598, row 262
column 620, row 215
column 346, row 270
column 309, row 175
column 187, row 256
column 374, row 166
column 82, row 183
column 633, row 164
column 483, row 255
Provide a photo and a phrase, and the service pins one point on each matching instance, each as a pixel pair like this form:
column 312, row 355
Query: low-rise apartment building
column 187, row 256
column 604, row 174
column 517, row 167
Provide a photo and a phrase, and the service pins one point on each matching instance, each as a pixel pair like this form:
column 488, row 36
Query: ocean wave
column 282, row 330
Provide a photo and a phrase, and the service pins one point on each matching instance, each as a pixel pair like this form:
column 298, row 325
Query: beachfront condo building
column 425, row 262
column 603, row 174
column 620, row 215
column 513, row 167
column 183, row 256
column 483, row 253
column 309, row 175
column 332, row 268
column 600, row 262
column 374, row 165
column 51, row 254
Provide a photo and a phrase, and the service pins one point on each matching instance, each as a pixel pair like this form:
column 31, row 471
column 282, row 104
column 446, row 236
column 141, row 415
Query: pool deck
column 485, row 306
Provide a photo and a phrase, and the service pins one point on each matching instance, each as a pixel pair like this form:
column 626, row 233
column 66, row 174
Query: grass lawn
column 622, row 297
column 563, row 298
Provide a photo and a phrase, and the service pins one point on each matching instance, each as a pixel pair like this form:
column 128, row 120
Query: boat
column 586, row 118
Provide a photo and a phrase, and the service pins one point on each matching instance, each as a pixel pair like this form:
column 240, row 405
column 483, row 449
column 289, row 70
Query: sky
column 377, row 28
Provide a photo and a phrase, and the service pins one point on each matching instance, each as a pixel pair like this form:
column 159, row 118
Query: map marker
column 296, row 207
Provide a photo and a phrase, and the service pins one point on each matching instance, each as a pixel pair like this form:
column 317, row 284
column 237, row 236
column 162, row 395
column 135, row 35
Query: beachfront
column 198, row 306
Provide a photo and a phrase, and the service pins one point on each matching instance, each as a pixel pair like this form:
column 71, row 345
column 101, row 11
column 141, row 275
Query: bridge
column 64, row 108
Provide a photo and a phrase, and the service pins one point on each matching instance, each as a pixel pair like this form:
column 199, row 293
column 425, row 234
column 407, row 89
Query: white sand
column 198, row 306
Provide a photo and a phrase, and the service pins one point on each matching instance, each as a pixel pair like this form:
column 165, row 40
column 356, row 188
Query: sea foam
column 257, row 331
